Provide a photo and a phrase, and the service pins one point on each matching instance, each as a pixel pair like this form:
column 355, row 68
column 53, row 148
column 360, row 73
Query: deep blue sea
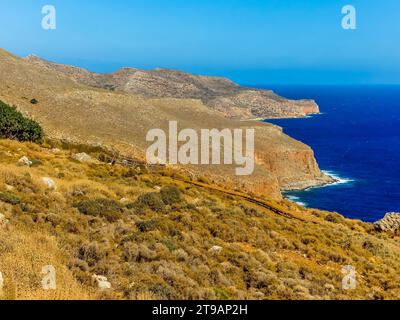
column 357, row 140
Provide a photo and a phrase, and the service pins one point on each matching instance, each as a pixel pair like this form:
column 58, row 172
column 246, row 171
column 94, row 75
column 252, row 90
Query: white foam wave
column 296, row 199
column 338, row 179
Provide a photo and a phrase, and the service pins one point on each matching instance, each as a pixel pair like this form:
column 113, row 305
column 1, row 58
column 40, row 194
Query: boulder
column 3, row 220
column 102, row 282
column 82, row 157
column 55, row 151
column 9, row 188
column 49, row 183
column 389, row 223
column 124, row 200
column 24, row 161
column 216, row 250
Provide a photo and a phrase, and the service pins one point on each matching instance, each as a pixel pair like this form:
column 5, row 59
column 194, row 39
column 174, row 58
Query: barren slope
column 83, row 114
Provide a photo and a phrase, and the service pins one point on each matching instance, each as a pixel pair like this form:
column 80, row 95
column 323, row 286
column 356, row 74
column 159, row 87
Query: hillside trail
column 266, row 205
column 260, row 203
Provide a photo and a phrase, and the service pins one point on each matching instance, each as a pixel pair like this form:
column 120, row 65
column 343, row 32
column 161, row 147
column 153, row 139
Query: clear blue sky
column 251, row 41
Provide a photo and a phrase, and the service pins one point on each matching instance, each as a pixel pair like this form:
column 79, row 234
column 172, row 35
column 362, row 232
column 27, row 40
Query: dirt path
column 261, row 203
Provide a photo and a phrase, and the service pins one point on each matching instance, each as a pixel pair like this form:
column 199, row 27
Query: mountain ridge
column 218, row 93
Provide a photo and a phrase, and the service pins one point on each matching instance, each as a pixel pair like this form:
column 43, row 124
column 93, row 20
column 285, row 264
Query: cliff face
column 83, row 114
column 220, row 94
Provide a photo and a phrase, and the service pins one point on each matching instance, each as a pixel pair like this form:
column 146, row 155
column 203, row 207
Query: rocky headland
column 217, row 93
column 75, row 106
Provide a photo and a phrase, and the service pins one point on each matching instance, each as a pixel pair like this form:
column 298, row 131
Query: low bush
column 130, row 252
column 91, row 253
column 13, row 125
column 333, row 217
column 151, row 200
column 170, row 195
column 145, row 226
column 108, row 209
column 9, row 198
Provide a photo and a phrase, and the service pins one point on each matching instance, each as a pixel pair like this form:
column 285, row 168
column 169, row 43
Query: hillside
column 82, row 114
column 217, row 93
column 155, row 236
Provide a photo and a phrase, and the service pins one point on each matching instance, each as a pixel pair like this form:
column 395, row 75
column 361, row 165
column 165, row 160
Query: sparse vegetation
column 152, row 201
column 170, row 195
column 9, row 198
column 106, row 208
column 173, row 240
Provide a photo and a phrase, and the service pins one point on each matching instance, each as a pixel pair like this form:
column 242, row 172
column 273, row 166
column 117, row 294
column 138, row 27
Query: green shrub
column 333, row 217
column 13, row 125
column 170, row 195
column 145, row 226
column 222, row 294
column 151, row 200
column 92, row 253
column 171, row 245
column 9, row 198
column 36, row 163
column 108, row 209
column 130, row 252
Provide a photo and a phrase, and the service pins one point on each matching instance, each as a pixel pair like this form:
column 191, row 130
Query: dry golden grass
column 159, row 246
column 23, row 253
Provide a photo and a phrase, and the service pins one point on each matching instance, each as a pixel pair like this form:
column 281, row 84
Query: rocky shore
column 322, row 181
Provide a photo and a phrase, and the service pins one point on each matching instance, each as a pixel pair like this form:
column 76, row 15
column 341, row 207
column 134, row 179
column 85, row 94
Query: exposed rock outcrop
column 24, row 161
column 102, row 282
column 3, row 220
column 216, row 250
column 82, row 157
column 389, row 223
column 49, row 183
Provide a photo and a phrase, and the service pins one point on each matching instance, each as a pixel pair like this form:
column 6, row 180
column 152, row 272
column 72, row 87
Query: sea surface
column 357, row 140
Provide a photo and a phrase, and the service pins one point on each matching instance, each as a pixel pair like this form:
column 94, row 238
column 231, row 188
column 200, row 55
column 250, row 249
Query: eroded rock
column 3, row 220
column 216, row 250
column 389, row 223
column 24, row 161
column 9, row 187
column 82, row 157
column 102, row 282
column 49, row 183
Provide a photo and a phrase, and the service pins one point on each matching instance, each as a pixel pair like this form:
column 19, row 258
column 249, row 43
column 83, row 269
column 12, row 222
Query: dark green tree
column 14, row 125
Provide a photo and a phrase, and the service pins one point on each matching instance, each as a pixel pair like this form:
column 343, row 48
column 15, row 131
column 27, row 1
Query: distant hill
column 217, row 93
